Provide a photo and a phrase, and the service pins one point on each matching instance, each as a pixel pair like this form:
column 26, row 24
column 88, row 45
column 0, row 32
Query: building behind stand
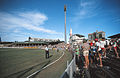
column 96, row 34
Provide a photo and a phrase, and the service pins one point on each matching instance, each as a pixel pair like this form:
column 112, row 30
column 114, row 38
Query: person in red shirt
column 90, row 54
column 91, row 44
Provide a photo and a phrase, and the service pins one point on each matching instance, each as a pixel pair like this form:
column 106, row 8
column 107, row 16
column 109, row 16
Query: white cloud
column 82, row 12
column 18, row 26
column 85, row 4
column 28, row 20
column 116, row 20
column 16, row 31
column 86, row 10
column 36, row 18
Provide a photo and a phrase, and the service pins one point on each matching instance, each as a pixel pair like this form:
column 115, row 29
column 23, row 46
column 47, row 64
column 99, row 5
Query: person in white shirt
column 99, row 51
column 118, row 43
column 111, row 44
column 46, row 52
column 107, row 43
column 115, row 48
column 102, row 46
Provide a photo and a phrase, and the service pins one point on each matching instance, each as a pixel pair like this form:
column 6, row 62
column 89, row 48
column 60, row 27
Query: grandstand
column 32, row 42
column 115, row 36
column 6, row 44
column 30, row 39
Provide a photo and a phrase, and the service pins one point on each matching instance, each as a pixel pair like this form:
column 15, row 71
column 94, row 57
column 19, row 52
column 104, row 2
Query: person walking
column 99, row 52
column 86, row 48
column 77, row 54
column 46, row 52
column 115, row 48
column 90, row 52
column 102, row 46
column 94, row 53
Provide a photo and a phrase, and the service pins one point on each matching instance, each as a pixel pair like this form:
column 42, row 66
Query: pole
column 65, row 23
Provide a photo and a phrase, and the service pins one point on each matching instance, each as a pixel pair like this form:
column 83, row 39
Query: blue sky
column 20, row 19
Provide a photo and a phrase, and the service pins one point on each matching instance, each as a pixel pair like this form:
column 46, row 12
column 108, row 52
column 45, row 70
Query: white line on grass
column 45, row 66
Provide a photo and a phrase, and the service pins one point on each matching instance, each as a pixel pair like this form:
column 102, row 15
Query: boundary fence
column 70, row 70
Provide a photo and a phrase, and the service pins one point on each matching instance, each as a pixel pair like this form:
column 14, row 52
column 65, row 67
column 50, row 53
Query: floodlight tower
column 65, row 23
column 70, row 32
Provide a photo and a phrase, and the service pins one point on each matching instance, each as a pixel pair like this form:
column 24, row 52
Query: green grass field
column 57, row 69
column 19, row 63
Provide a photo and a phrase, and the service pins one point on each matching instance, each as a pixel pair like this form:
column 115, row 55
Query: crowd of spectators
column 94, row 51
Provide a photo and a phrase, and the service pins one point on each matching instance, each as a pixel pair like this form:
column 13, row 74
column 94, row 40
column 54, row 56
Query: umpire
column 46, row 52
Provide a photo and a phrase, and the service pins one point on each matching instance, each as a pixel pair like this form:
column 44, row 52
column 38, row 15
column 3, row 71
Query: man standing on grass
column 46, row 52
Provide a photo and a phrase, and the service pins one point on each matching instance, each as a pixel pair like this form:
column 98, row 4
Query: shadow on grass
column 23, row 72
column 50, row 56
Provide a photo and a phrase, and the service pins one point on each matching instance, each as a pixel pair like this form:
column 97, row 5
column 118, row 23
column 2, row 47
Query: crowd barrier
column 30, row 47
column 70, row 70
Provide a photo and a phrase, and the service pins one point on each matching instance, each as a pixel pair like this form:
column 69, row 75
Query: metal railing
column 71, row 68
